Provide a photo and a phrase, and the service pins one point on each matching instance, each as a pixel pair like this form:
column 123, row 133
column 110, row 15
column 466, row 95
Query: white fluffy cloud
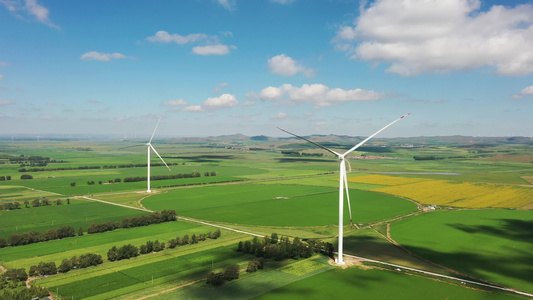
column 417, row 36
column 94, row 55
column 213, row 49
column 177, row 102
column 279, row 116
column 32, row 8
column 524, row 92
column 165, row 37
column 286, row 66
column 227, row 4
column 318, row 94
column 224, row 101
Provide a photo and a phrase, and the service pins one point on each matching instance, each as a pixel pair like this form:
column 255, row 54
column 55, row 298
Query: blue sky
column 217, row 67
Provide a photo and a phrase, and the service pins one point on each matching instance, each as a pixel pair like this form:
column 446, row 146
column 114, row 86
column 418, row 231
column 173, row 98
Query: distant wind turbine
column 343, row 181
column 150, row 147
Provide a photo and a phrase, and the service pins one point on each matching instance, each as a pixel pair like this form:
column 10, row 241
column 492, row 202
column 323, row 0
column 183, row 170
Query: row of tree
column 25, row 238
column 35, row 203
column 129, row 251
column 166, row 215
column 282, row 248
column 23, row 170
column 163, row 177
column 83, row 261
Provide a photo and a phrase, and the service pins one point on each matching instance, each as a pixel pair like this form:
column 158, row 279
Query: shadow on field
column 207, row 158
column 517, row 230
column 289, row 160
column 516, row 266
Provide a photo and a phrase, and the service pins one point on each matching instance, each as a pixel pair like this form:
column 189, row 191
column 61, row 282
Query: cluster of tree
column 137, row 165
column 34, row 203
column 255, row 265
column 26, row 176
column 83, row 261
column 15, row 275
column 194, row 239
column 8, row 292
column 218, row 278
column 32, row 161
column 207, row 174
column 152, row 246
column 43, row 269
column 23, row 170
column 124, row 252
column 117, row 180
column 4, row 178
column 201, row 183
column 166, row 215
column 25, row 238
column 163, row 177
column 282, row 248
column 83, row 149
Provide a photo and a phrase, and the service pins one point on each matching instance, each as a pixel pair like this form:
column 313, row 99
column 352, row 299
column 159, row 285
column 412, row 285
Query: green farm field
column 493, row 245
column 262, row 192
column 276, row 205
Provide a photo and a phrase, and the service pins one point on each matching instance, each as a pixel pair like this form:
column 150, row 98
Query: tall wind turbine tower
column 150, row 148
column 343, row 181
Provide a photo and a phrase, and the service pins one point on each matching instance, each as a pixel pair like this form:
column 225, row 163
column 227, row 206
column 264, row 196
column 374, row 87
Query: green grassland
column 79, row 213
column 493, row 245
column 276, row 205
column 264, row 192
column 374, row 284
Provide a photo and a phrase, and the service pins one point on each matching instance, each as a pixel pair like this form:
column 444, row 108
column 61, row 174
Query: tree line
column 35, row 203
column 163, row 177
column 130, row 251
column 25, row 238
column 298, row 153
column 283, row 248
column 166, row 215
column 93, row 167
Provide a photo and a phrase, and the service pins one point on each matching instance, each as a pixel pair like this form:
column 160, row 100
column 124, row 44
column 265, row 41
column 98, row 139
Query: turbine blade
column 368, row 138
column 318, row 145
column 160, row 157
column 153, row 133
column 348, row 195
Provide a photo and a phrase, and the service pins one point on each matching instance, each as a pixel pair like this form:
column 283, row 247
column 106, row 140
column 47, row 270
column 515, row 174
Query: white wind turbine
column 150, row 147
column 343, row 181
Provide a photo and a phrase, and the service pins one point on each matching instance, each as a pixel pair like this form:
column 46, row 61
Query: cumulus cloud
column 5, row 102
column 32, row 8
column 279, row 116
column 165, row 37
column 94, row 55
column 417, row 36
column 213, row 103
column 524, row 92
column 286, row 66
column 227, row 4
column 94, row 101
column 218, row 88
column 177, row 102
column 213, row 49
column 317, row 94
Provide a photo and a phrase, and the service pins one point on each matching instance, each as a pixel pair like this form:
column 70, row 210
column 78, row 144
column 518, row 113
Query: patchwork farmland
column 412, row 218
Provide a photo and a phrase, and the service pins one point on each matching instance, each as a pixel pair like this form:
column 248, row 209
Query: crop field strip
column 452, row 193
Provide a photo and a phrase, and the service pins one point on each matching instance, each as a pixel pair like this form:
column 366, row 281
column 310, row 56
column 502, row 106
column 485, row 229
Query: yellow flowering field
column 462, row 194
column 385, row 180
